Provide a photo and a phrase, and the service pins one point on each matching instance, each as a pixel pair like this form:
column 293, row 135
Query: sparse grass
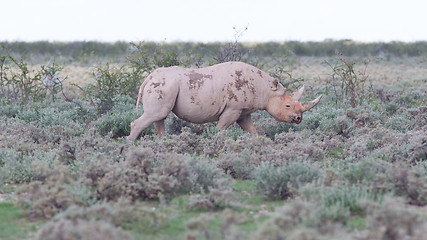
column 14, row 224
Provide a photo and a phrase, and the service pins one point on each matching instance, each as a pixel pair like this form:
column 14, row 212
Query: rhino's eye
column 288, row 106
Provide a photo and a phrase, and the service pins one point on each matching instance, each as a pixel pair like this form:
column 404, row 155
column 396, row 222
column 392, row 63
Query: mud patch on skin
column 155, row 84
column 193, row 100
column 231, row 95
column 242, row 82
column 197, row 79
column 260, row 73
column 160, row 92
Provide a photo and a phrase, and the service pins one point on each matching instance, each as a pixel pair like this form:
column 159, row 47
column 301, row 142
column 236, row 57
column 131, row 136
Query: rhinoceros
column 227, row 92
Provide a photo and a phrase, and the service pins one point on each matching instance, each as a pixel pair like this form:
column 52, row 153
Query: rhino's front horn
column 297, row 95
column 305, row 106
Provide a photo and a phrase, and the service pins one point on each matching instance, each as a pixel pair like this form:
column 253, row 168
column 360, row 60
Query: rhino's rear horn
column 297, row 95
column 305, row 106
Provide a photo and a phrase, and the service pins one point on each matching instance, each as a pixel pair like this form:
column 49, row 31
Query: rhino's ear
column 274, row 84
column 305, row 106
column 297, row 95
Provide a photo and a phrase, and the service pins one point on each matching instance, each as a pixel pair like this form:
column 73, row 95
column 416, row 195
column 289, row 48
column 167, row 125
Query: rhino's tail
column 141, row 89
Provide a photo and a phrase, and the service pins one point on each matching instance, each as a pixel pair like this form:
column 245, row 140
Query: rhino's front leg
column 245, row 122
column 227, row 118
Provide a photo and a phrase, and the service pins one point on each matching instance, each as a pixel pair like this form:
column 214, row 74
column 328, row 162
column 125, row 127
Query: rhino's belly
column 197, row 111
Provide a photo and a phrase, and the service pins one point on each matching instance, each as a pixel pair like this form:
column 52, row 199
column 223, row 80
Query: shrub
column 410, row 182
column 117, row 124
column 14, row 167
column 207, row 226
column 188, row 142
column 238, row 165
column 10, row 110
column 299, row 220
column 19, row 83
column 341, row 201
column 97, row 222
column 399, row 122
column 147, row 176
column 111, row 82
column 274, row 182
column 216, row 199
column 348, row 84
column 394, row 220
column 366, row 171
column 204, row 174
column 233, row 51
column 45, row 199
column 324, row 118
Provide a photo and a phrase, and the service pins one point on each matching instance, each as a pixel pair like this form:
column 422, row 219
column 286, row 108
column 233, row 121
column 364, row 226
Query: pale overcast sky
column 210, row 21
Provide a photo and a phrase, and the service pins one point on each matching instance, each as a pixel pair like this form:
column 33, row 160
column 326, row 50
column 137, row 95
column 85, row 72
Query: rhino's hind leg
column 138, row 125
column 159, row 127
column 245, row 122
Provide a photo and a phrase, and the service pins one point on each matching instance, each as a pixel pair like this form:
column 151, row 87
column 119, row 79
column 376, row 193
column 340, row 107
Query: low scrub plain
column 355, row 168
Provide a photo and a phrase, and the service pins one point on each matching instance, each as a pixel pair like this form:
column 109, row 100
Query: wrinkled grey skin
column 227, row 92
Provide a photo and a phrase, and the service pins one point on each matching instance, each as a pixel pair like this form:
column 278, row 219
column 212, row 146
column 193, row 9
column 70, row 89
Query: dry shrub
column 239, row 157
column 100, row 221
column 409, row 147
column 301, row 145
column 363, row 116
column 202, row 227
column 186, row 142
column 93, row 169
column 81, row 229
column 298, row 220
column 45, row 199
column 30, row 137
column 217, row 198
column 239, row 165
column 410, row 182
column 142, row 175
column 395, row 221
column 370, row 139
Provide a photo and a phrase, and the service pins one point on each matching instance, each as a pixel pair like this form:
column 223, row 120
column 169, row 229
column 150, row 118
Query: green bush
column 341, row 201
column 15, row 167
column 366, row 171
column 110, row 82
column 399, row 122
column 117, row 121
column 10, row 110
column 204, row 174
column 117, row 124
column 274, row 182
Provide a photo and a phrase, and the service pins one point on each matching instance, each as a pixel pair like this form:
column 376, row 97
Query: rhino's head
column 287, row 108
